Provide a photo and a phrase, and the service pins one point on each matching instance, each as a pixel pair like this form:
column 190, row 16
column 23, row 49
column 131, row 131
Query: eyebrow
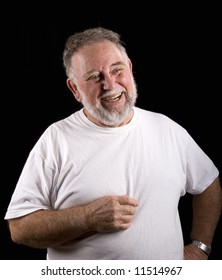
column 112, row 65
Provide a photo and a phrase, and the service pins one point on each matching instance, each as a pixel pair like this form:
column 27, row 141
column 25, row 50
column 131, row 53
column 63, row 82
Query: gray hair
column 87, row 37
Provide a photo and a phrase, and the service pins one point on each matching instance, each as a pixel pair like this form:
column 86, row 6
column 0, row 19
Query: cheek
column 126, row 78
column 92, row 93
column 126, row 82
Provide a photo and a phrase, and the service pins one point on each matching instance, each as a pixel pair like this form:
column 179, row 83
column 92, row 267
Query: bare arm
column 48, row 228
column 206, row 214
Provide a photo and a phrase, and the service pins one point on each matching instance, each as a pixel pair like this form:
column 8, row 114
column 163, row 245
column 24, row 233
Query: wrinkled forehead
column 97, row 55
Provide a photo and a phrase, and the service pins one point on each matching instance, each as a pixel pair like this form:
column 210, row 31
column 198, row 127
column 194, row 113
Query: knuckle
column 131, row 210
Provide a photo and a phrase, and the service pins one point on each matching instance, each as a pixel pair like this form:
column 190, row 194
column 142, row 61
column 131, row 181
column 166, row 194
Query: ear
column 73, row 87
column 130, row 65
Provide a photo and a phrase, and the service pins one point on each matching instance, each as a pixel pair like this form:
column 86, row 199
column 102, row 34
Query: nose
column 108, row 82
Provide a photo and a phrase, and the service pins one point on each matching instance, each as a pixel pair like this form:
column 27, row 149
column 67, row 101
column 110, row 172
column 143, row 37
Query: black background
column 175, row 53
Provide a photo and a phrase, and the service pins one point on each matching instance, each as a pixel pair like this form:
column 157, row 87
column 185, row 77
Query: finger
column 126, row 219
column 125, row 199
column 125, row 222
column 128, row 210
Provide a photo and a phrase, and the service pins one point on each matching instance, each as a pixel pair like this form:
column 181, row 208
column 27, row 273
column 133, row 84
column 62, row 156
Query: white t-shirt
column 152, row 159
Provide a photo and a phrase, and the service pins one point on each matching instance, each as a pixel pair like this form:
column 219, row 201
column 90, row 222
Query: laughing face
column 103, row 82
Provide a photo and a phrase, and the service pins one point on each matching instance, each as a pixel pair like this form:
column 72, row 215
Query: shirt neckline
column 98, row 128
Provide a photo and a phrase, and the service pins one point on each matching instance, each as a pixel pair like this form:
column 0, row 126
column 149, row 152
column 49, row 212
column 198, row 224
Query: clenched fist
column 110, row 213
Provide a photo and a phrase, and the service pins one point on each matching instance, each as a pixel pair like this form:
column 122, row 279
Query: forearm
column 46, row 228
column 206, row 213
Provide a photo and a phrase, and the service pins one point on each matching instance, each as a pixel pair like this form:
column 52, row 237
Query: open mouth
column 112, row 98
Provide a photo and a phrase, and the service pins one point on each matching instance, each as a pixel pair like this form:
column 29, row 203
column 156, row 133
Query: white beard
column 108, row 117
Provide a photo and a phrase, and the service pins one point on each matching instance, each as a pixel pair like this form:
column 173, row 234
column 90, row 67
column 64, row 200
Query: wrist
column 202, row 246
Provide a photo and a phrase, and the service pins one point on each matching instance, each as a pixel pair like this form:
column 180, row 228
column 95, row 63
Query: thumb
column 125, row 199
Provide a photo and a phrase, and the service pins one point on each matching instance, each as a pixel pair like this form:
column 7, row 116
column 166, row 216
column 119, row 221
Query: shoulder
column 57, row 131
column 158, row 120
column 63, row 126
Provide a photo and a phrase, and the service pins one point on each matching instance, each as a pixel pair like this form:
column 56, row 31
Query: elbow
column 16, row 231
column 22, row 233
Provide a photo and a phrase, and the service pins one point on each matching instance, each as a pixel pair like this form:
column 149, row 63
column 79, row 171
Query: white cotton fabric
column 152, row 159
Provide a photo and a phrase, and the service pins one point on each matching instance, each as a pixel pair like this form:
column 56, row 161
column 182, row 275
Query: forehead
column 96, row 56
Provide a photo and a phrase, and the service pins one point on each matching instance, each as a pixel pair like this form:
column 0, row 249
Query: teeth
column 112, row 97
